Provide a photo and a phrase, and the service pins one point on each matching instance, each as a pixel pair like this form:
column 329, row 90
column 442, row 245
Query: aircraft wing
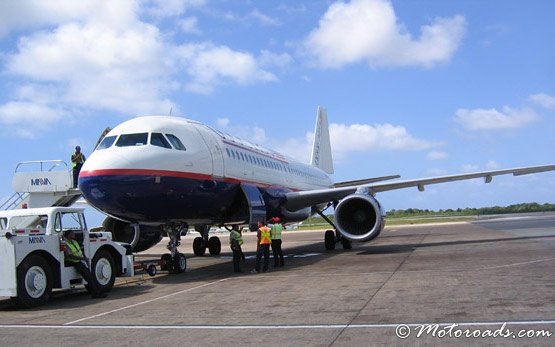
column 298, row 200
column 365, row 181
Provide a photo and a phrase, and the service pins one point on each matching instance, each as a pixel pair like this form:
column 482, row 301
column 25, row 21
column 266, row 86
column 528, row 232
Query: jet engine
column 359, row 217
column 140, row 237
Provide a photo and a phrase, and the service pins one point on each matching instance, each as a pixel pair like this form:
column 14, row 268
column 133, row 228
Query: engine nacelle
column 140, row 237
column 359, row 217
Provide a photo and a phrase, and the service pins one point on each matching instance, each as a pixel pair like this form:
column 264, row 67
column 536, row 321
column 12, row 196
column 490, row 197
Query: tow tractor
column 32, row 254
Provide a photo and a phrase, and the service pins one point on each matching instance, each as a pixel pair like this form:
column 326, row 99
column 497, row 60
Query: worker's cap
column 78, row 147
column 276, row 219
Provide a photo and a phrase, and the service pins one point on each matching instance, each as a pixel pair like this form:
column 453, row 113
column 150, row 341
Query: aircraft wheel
column 329, row 240
column 198, row 246
column 166, row 262
column 102, row 270
column 214, row 245
column 34, row 281
column 347, row 244
column 179, row 263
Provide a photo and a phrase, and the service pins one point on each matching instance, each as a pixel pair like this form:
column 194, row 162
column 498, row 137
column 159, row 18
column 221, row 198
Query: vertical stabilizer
column 321, row 149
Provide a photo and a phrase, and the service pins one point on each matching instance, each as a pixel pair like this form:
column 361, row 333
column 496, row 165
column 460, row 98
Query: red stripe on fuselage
column 167, row 173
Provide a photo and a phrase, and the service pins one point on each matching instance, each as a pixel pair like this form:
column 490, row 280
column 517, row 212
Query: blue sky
column 416, row 88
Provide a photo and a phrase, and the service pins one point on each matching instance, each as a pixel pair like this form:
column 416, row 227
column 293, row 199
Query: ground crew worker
column 74, row 257
column 77, row 160
column 235, row 242
column 263, row 247
column 275, row 232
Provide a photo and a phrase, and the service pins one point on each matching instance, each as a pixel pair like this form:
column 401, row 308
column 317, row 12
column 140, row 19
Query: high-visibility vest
column 235, row 235
column 75, row 250
column 77, row 159
column 276, row 231
column 265, row 236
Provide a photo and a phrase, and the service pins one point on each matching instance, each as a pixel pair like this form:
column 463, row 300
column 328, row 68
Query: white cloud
column 544, row 100
column 210, row 66
column 369, row 30
column 38, row 13
column 99, row 55
column 263, row 19
column 27, row 120
column 356, row 138
column 491, row 119
column 363, row 137
column 189, row 25
column 169, row 8
column 437, row 155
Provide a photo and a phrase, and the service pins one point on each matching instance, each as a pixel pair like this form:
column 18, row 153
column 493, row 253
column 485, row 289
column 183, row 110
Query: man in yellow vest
column 77, row 161
column 74, row 257
column 276, row 229
column 263, row 247
column 235, row 242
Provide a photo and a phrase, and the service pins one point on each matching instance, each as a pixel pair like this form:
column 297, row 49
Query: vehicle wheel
column 103, row 270
column 329, row 240
column 34, row 281
column 151, row 270
column 214, row 245
column 166, row 263
column 198, row 246
column 347, row 244
column 179, row 263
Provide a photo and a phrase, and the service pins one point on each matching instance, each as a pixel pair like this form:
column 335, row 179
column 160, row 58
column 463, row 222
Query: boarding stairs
column 44, row 183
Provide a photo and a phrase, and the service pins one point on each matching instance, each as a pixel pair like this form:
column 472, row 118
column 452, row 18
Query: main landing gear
column 174, row 261
column 331, row 237
column 202, row 242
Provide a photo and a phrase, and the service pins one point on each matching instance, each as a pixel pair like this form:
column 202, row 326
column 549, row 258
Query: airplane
column 159, row 175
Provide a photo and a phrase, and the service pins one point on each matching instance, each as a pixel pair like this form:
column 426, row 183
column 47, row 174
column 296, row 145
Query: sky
column 416, row 88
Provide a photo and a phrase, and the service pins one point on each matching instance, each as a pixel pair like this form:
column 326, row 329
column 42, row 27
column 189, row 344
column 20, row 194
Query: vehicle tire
column 179, row 263
column 198, row 246
column 103, row 270
column 329, row 240
column 34, row 281
column 166, row 262
column 151, row 270
column 214, row 245
column 347, row 244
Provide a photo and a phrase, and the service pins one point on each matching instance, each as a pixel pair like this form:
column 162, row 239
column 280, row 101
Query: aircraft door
column 212, row 142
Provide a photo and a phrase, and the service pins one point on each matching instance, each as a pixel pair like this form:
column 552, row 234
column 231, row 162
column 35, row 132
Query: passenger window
column 3, row 223
column 107, row 142
column 157, row 139
column 127, row 140
column 176, row 142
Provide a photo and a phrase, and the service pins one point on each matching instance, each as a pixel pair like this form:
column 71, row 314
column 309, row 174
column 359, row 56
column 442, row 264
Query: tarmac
column 490, row 282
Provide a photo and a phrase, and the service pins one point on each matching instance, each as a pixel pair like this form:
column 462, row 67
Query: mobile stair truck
column 32, row 254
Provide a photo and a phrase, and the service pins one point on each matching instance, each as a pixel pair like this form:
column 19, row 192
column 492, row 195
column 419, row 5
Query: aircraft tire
column 179, row 263
column 329, row 240
column 214, row 245
column 198, row 246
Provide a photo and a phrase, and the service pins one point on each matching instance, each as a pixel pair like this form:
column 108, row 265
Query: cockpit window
column 107, row 142
column 177, row 144
column 157, row 139
column 126, row 140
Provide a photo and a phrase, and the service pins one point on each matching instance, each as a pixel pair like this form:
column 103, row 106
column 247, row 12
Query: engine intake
column 359, row 217
column 140, row 237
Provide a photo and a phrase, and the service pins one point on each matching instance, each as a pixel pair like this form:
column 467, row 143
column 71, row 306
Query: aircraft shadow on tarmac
column 386, row 249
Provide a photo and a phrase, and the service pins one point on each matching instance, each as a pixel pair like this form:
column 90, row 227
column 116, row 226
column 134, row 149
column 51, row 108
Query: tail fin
column 321, row 149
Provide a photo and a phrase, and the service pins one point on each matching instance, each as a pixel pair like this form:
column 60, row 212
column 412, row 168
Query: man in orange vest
column 263, row 247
